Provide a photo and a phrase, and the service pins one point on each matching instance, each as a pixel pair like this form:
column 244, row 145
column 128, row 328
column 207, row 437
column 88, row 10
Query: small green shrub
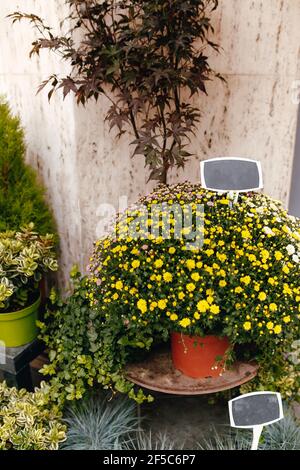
column 25, row 256
column 21, row 196
column 281, row 374
column 83, row 354
column 28, row 421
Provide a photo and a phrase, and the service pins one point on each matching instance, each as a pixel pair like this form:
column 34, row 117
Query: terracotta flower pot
column 199, row 357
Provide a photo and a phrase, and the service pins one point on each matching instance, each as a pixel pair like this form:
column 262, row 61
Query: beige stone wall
column 81, row 163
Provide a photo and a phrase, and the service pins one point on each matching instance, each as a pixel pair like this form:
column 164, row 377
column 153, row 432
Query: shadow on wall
column 294, row 207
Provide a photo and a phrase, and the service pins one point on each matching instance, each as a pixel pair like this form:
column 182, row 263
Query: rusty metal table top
column 157, row 373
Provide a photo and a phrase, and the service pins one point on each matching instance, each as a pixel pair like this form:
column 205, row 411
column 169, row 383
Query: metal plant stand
column 157, row 373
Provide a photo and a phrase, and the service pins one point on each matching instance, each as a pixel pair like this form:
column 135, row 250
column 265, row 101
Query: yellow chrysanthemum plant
column 232, row 270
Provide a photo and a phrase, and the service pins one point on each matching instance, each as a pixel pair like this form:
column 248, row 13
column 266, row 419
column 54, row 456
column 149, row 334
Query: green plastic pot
column 19, row 328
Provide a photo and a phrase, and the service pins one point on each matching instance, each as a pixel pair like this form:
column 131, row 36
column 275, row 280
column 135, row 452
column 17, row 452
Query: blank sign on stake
column 231, row 174
column 254, row 411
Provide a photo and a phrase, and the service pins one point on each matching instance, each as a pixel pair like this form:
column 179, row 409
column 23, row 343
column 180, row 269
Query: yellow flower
column 195, row 276
column 174, row 317
column 115, row 296
column 247, row 325
column 167, row 277
column 158, row 263
column 190, row 264
column 273, row 307
column 203, row 306
column 246, row 234
column 286, row 269
column 172, row 250
column 246, row 280
column 262, row 296
column 277, row 329
column 287, row 319
column 181, row 295
column 270, row 325
column 185, row 322
column 135, row 264
column 238, row 290
column 196, row 316
column 221, row 257
column 119, row 285
column 224, row 201
column 278, row 255
column 162, row 304
column 142, row 305
column 215, row 309
column 265, row 254
column 133, row 291
column 190, row 287
column 222, row 283
column 209, row 252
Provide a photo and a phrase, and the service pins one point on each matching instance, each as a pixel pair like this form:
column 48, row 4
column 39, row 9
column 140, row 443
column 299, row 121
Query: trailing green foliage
column 21, row 196
column 279, row 373
column 25, row 257
column 100, row 423
column 83, row 352
column 28, row 421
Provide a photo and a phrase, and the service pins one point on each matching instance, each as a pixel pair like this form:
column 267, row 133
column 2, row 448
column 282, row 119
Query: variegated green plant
column 25, row 256
column 28, row 421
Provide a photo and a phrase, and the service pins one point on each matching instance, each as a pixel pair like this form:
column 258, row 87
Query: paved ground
column 186, row 420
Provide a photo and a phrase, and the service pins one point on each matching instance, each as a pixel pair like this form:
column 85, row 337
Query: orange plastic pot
column 199, row 357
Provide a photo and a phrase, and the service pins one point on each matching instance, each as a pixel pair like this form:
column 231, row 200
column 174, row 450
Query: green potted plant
column 242, row 283
column 21, row 195
column 25, row 257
